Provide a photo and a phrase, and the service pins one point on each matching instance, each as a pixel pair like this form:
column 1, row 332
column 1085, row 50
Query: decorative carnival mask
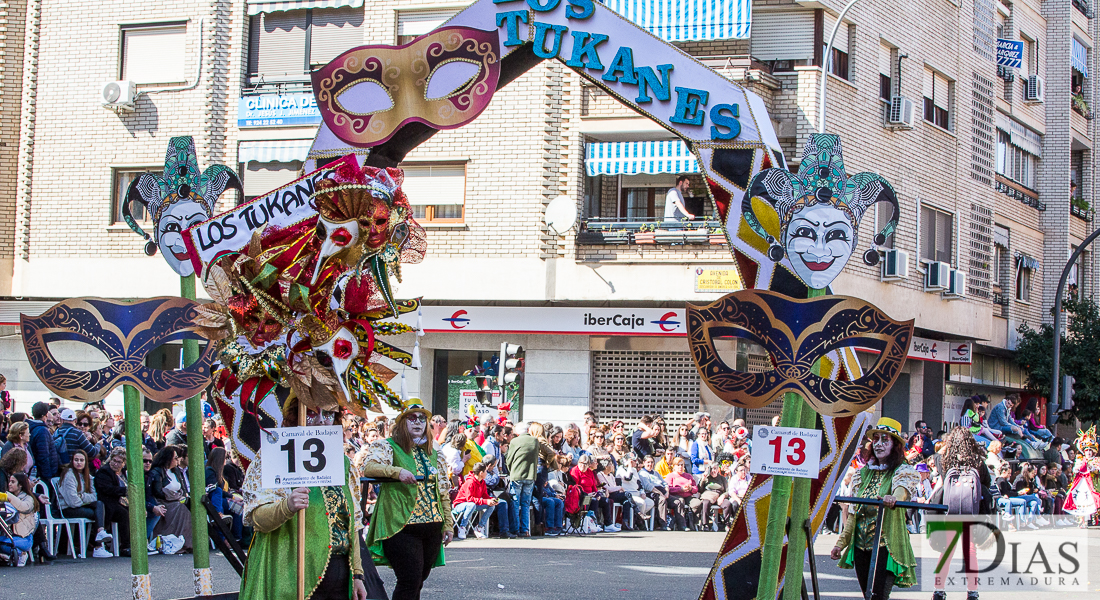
column 796, row 334
column 1086, row 440
column 813, row 217
column 125, row 332
column 444, row 79
column 176, row 200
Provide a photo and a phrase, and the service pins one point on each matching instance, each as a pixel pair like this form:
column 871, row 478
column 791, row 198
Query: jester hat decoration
column 813, row 217
column 180, row 197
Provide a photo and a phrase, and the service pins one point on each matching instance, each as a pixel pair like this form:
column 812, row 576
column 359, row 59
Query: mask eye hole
column 365, row 98
column 77, row 355
column 451, row 78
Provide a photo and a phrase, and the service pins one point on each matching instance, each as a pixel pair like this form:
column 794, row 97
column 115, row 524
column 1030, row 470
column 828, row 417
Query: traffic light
column 484, row 390
column 511, row 364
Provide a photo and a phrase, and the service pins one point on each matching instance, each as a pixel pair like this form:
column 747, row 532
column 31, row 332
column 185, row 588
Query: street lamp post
column 1053, row 400
column 825, row 65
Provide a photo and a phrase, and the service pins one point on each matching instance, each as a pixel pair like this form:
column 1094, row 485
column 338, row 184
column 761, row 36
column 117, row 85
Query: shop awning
column 1024, row 261
column 256, row 7
column 633, row 158
column 274, row 151
column 1079, row 57
column 678, row 21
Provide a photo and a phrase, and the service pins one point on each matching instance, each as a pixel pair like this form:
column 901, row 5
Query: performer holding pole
column 331, row 562
column 890, row 562
column 412, row 519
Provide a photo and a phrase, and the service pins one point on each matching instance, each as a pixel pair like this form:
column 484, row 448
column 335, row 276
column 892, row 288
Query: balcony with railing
column 1085, row 8
column 652, row 240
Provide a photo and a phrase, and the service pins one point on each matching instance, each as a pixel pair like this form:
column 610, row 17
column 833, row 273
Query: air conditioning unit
column 895, row 265
column 118, row 95
column 937, row 277
column 1036, row 89
column 956, row 286
column 900, row 113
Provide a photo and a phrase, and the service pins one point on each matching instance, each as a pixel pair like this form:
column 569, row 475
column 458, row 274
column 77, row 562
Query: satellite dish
column 561, row 214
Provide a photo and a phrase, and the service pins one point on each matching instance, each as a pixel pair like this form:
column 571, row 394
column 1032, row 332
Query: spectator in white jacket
column 78, row 500
column 632, row 485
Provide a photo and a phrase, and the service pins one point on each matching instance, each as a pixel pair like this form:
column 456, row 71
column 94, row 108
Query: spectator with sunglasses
column 69, row 437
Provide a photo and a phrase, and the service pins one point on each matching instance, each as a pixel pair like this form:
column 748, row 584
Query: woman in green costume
column 412, row 519
column 334, row 568
column 888, row 477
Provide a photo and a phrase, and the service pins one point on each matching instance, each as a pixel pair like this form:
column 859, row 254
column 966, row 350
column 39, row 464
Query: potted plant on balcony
column 645, row 234
column 1080, row 208
column 717, row 237
column 697, row 236
column 618, row 236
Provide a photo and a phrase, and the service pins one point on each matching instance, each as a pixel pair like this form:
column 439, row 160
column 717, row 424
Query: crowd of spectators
column 63, row 463
column 1027, row 490
column 520, row 479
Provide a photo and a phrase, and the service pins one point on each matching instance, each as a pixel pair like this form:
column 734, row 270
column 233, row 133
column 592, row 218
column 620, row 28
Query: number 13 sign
column 302, row 457
column 786, row 451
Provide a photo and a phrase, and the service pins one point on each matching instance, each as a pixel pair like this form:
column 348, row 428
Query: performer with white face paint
column 888, row 477
column 412, row 519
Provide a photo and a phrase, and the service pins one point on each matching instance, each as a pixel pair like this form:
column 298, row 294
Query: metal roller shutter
column 334, row 32
column 277, row 44
column 627, row 384
column 435, row 184
column 841, row 42
column 415, row 23
column 261, row 178
column 884, row 61
column 783, row 35
column 154, row 54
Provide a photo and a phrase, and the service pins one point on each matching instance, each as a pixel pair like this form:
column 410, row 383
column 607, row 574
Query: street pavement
column 635, row 565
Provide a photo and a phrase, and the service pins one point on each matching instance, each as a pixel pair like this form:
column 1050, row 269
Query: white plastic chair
column 51, row 517
column 81, row 524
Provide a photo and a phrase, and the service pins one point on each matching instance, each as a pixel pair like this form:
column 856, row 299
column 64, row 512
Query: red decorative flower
column 342, row 349
column 341, row 237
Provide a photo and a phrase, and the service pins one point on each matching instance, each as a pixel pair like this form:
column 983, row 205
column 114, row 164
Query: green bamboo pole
column 196, row 465
column 787, row 493
column 135, row 494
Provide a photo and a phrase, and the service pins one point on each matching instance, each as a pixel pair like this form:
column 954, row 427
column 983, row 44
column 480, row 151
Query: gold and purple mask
column 125, row 332
column 796, row 334
column 444, row 79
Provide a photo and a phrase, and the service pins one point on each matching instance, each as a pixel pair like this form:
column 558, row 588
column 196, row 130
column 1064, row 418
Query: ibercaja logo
column 979, row 553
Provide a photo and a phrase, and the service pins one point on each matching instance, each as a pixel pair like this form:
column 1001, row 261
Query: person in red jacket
column 473, row 498
column 585, row 478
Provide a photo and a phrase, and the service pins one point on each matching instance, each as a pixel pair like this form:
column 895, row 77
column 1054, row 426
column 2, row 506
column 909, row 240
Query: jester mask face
column 796, row 334
column 444, row 79
column 125, row 332
column 178, row 198
column 812, row 217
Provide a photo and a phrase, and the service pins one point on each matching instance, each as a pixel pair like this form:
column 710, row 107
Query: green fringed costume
column 332, row 520
column 859, row 530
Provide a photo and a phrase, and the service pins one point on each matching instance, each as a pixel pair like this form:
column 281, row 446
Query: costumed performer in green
column 412, row 519
column 334, row 567
column 888, row 477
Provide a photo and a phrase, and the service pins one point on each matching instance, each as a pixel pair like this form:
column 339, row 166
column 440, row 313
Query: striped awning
column 1024, row 261
column 682, row 21
column 274, row 151
column 1079, row 57
column 633, row 158
column 256, row 7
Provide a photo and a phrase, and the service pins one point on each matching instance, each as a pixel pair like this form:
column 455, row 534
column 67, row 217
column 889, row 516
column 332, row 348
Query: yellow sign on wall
column 720, row 281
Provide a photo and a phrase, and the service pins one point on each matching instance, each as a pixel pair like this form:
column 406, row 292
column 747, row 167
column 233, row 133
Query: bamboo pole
column 301, row 524
column 135, row 494
column 196, row 465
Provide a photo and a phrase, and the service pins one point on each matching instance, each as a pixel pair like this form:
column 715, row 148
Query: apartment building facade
column 982, row 169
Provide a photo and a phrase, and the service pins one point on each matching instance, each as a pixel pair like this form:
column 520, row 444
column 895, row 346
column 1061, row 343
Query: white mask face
column 176, row 218
column 819, row 243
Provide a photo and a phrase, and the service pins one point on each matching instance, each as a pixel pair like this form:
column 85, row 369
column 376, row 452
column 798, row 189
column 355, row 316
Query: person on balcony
column 674, row 200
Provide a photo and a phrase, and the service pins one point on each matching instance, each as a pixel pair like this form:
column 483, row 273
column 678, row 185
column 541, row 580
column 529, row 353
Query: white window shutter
column 278, row 43
column 435, row 185
column 783, row 35
column 884, row 63
column 942, row 97
column 154, row 54
column 334, row 31
column 841, row 41
column 929, row 78
column 421, row 21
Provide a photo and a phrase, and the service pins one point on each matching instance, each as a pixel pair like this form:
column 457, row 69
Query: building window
column 837, row 63
column 885, row 72
column 882, row 217
column 436, row 191
column 1014, row 162
column 284, row 46
column 122, row 178
column 936, row 234
column 999, row 256
column 154, row 53
column 413, row 24
column 640, row 203
column 937, row 99
column 1023, row 284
